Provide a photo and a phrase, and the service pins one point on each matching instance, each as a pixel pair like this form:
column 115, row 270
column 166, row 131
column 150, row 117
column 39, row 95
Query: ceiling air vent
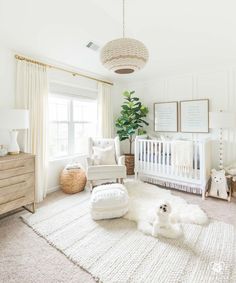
column 91, row 45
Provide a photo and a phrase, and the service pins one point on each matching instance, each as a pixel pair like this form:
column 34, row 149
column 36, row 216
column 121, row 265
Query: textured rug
column 114, row 251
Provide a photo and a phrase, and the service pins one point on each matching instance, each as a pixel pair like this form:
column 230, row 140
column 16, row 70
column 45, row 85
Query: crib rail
column 155, row 158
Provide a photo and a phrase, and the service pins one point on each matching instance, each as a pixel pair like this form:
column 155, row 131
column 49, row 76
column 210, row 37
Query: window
column 72, row 121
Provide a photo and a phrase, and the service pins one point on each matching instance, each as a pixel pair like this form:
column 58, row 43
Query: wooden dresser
column 17, row 181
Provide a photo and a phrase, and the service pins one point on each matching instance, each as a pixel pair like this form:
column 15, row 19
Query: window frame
column 71, row 123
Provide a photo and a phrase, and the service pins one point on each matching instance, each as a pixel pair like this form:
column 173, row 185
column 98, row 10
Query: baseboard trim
column 53, row 189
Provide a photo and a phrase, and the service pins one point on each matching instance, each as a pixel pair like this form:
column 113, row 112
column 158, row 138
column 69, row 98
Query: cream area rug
column 115, row 251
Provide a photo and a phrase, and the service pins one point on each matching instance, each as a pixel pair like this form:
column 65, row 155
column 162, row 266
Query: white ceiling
column 181, row 35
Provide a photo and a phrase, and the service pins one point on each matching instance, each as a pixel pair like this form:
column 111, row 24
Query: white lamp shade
column 14, row 119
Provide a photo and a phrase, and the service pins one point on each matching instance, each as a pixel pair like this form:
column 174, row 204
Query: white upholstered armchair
column 104, row 161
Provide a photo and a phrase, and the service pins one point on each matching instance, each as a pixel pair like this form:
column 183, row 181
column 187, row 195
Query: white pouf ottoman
column 109, row 201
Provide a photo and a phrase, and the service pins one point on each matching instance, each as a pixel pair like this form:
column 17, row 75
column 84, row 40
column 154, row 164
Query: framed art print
column 194, row 116
column 166, row 116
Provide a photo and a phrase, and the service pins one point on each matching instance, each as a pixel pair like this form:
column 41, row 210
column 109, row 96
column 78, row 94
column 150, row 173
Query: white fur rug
column 115, row 251
column 143, row 197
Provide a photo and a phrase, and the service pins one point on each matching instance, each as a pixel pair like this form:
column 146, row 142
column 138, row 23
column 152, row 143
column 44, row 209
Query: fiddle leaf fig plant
column 132, row 118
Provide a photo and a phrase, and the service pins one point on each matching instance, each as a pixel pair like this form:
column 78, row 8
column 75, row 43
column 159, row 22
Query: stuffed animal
column 219, row 187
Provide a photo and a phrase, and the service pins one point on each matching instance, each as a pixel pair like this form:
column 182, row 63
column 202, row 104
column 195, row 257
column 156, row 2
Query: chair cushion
column 106, row 168
column 102, row 172
column 104, row 156
column 109, row 201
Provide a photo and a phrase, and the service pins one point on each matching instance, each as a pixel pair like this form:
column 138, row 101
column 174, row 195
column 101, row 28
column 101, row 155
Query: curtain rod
column 18, row 57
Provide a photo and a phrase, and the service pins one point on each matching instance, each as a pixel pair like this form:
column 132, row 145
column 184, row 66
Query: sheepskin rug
column 144, row 197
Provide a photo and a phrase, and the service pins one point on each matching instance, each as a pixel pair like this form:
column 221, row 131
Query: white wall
column 217, row 85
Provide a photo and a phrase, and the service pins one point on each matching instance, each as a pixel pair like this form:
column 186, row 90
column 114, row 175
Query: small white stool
column 109, row 201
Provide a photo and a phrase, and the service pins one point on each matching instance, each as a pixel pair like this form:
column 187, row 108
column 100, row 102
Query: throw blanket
column 182, row 155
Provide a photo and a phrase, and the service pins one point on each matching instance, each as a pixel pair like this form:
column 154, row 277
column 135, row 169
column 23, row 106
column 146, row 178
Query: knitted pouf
column 73, row 180
column 109, row 201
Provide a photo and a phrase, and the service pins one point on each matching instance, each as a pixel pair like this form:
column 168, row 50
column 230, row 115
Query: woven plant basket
column 129, row 163
column 73, row 180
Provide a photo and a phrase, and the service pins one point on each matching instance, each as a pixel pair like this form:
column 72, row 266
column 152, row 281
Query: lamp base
column 13, row 147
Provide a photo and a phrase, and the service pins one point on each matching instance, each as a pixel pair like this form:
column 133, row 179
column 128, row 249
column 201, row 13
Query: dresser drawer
column 15, row 204
column 18, row 167
column 17, row 187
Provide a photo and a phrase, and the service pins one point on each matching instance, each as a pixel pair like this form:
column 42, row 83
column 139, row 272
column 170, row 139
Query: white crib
column 153, row 163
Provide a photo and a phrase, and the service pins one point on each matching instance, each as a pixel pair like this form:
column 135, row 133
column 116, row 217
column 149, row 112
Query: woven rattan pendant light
column 124, row 55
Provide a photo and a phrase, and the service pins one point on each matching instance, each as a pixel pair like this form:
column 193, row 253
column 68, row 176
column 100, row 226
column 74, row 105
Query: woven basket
column 73, row 180
column 129, row 163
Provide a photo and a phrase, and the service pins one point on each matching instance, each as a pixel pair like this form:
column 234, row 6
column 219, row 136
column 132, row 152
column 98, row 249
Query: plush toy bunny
column 219, row 187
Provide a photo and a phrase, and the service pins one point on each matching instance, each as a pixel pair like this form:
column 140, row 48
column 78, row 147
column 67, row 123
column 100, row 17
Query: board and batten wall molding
column 218, row 85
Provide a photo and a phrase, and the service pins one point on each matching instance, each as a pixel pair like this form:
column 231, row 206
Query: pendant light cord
column 123, row 18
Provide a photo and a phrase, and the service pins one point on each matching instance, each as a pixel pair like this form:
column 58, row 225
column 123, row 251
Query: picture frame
column 194, row 116
column 166, row 116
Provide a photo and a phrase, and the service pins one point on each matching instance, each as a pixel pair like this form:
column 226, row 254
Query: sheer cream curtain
column 105, row 113
column 32, row 94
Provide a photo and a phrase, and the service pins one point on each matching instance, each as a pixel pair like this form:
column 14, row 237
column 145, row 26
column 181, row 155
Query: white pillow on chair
column 104, row 156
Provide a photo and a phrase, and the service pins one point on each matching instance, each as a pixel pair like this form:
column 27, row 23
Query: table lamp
column 222, row 120
column 13, row 120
